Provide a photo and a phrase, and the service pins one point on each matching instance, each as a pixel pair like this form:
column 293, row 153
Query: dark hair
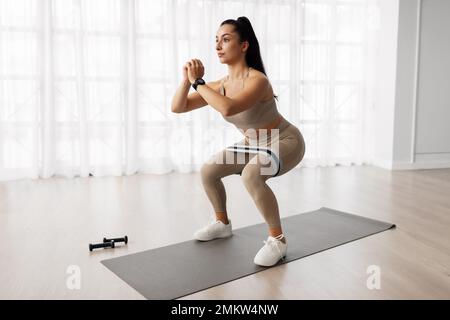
column 243, row 27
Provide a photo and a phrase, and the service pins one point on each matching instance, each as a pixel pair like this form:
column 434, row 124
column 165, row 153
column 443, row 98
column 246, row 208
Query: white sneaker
column 214, row 230
column 274, row 250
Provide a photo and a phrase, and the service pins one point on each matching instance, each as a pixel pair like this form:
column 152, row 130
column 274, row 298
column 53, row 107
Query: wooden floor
column 46, row 225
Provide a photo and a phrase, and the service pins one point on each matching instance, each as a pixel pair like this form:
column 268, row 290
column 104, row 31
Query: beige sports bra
column 263, row 115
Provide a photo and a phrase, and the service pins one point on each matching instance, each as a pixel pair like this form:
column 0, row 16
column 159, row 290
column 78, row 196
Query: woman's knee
column 251, row 176
column 208, row 172
column 258, row 170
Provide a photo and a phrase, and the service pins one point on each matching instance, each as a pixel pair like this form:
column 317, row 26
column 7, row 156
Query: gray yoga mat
column 184, row 268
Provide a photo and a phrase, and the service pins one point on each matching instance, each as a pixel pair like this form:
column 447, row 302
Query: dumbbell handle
column 124, row 239
column 101, row 245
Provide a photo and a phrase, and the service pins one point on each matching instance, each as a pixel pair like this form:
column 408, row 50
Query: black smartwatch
column 197, row 82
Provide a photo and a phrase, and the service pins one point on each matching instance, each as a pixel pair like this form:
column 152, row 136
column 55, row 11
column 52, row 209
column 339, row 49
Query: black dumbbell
column 124, row 239
column 101, row 245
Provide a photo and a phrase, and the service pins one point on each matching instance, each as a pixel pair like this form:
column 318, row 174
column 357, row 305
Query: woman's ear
column 245, row 46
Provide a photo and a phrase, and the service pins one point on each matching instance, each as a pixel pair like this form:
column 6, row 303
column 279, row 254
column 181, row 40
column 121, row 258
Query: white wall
column 405, row 82
column 433, row 105
column 384, row 106
column 414, row 125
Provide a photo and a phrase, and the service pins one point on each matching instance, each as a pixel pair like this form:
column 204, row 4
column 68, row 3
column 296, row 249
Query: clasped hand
column 192, row 70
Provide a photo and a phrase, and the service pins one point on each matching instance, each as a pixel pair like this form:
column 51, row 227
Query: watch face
column 200, row 81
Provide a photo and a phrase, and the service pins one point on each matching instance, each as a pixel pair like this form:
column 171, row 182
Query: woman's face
column 228, row 47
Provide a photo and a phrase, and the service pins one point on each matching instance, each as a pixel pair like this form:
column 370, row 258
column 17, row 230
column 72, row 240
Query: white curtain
column 86, row 85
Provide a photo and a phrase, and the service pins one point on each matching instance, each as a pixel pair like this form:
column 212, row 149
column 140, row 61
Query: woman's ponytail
column 246, row 33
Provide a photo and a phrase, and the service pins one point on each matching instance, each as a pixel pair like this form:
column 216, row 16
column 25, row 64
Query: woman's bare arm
column 255, row 88
column 182, row 102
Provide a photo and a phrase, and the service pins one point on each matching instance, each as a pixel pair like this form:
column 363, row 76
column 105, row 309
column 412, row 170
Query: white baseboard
column 424, row 161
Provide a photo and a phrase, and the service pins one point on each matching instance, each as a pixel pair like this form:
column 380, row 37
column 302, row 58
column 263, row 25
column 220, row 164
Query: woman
column 244, row 98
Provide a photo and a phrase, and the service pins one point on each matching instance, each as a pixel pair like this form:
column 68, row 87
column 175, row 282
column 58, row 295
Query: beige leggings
column 291, row 146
